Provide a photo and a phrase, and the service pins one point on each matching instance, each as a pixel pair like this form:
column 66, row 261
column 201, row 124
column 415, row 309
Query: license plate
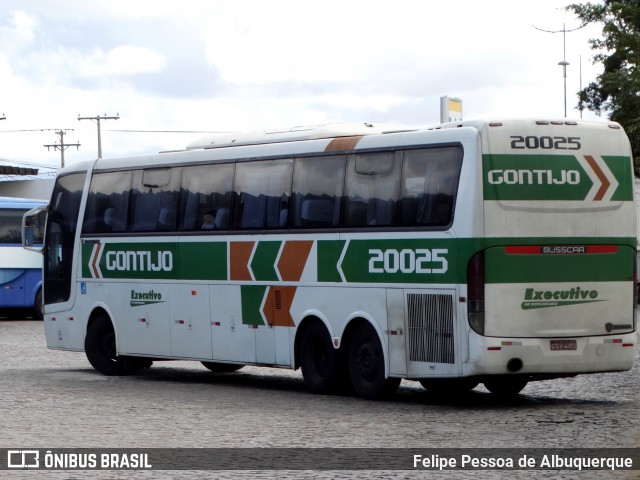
column 564, row 345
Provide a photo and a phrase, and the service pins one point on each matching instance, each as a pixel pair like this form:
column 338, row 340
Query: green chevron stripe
column 264, row 259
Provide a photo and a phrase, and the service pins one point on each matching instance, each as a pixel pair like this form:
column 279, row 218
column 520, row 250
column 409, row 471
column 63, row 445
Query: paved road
column 51, row 399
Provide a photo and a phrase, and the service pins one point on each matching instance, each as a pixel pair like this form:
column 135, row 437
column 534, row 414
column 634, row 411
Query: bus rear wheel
column 100, row 349
column 506, row 386
column 366, row 365
column 449, row 386
column 320, row 362
column 216, row 367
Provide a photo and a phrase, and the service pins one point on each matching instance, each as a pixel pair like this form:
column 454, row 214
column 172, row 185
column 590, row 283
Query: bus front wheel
column 366, row 365
column 100, row 349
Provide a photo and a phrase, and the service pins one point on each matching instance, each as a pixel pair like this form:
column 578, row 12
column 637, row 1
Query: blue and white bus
column 20, row 270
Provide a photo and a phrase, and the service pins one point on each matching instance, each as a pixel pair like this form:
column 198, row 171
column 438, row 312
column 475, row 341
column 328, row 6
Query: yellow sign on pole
column 450, row 109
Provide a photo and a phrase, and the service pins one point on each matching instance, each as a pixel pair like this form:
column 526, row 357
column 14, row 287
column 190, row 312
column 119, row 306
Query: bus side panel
column 232, row 339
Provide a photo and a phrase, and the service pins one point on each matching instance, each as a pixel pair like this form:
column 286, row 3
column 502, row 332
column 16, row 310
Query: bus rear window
column 429, row 186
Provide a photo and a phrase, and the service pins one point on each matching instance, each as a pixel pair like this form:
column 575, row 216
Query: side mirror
column 33, row 225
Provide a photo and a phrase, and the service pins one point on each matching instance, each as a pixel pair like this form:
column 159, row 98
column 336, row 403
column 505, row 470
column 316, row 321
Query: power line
column 27, row 130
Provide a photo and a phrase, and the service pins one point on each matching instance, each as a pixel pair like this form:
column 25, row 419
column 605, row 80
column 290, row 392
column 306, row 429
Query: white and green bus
column 477, row 252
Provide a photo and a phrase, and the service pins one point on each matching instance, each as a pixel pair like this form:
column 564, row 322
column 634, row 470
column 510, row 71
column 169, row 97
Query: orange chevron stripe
column 343, row 143
column 293, row 259
column 277, row 306
column 601, row 176
column 239, row 255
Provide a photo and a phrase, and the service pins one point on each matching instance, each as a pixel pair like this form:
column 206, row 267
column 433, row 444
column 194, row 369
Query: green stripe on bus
column 251, row 298
column 411, row 261
column 621, row 168
column 329, row 252
column 400, row 261
column 501, row 267
column 203, row 261
column 264, row 259
column 552, row 177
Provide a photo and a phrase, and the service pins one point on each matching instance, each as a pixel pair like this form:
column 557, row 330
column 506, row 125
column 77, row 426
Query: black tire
column 37, row 306
column 216, row 367
column 320, row 362
column 366, row 365
column 506, row 386
column 449, row 386
column 100, row 349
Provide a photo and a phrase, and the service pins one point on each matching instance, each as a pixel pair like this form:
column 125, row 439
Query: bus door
column 148, row 329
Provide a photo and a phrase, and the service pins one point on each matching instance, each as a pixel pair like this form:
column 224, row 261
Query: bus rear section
column 552, row 292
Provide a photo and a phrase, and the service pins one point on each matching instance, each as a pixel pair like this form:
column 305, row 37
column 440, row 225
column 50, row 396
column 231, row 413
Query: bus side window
column 263, row 190
column 10, row 226
column 373, row 185
column 206, row 189
column 317, row 191
column 429, row 188
column 107, row 203
column 155, row 194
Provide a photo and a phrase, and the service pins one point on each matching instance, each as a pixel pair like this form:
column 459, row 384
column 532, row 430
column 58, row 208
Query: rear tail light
column 475, row 292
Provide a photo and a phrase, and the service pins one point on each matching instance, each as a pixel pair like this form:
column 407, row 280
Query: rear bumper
column 495, row 356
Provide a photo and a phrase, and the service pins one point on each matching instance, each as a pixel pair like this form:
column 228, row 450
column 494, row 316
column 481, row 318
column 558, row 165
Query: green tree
column 616, row 90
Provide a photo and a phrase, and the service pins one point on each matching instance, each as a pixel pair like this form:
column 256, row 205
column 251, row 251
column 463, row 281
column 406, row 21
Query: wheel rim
column 367, row 361
column 319, row 358
column 108, row 347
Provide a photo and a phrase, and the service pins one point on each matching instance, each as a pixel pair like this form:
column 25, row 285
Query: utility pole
column 97, row 119
column 62, row 146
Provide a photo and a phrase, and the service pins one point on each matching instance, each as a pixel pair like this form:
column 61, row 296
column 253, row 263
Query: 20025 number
column 531, row 142
column 420, row 260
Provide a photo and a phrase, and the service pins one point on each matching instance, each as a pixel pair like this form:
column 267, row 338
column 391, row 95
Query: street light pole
column 564, row 64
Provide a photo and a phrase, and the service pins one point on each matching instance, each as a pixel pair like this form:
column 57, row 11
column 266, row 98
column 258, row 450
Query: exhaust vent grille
column 430, row 328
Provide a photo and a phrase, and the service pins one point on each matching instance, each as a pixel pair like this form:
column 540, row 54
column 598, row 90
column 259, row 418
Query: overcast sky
column 239, row 65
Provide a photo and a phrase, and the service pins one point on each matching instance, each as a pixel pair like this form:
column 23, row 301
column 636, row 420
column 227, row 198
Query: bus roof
column 313, row 132
column 319, row 139
column 11, row 202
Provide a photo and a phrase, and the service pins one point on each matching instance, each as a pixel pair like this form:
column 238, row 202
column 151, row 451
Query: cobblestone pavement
column 51, row 399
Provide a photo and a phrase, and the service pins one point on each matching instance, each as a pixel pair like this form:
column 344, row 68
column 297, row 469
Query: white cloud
column 23, row 27
column 248, row 65
column 120, row 61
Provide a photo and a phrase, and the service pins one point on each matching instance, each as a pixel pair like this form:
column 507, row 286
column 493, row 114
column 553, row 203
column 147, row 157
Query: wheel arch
column 303, row 326
column 352, row 326
column 99, row 311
